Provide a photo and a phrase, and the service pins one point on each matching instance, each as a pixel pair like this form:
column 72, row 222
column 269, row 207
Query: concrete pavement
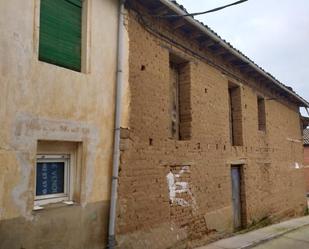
column 279, row 234
column 299, row 239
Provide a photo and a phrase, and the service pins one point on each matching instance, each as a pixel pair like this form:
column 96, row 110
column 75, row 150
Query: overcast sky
column 275, row 34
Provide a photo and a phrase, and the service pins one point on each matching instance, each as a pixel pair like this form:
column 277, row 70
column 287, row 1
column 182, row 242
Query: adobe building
column 306, row 158
column 57, row 81
column 97, row 101
column 213, row 142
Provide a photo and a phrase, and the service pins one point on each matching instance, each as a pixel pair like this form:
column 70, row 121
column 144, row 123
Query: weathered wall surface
column 40, row 101
column 306, row 163
column 306, row 154
column 152, row 212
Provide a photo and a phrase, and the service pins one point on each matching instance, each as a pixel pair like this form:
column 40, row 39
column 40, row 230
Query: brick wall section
column 185, row 101
column 147, row 216
column 261, row 114
column 306, row 153
column 236, row 126
column 306, row 163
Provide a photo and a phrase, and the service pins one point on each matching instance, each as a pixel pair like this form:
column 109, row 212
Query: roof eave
column 236, row 53
column 305, row 121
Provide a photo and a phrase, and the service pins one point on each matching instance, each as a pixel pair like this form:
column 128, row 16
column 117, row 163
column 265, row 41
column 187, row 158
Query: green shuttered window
column 60, row 33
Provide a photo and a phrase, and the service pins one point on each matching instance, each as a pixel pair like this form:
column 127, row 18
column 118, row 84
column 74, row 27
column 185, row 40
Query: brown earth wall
column 148, row 215
column 306, row 163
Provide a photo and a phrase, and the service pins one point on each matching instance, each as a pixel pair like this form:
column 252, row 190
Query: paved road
column 298, row 239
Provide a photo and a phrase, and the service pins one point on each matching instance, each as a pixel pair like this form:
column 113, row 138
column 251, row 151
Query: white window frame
column 61, row 197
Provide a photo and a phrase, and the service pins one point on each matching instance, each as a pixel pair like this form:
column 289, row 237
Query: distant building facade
column 306, row 158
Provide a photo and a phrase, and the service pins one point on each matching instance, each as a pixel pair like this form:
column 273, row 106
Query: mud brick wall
column 306, row 163
column 185, row 101
column 236, row 116
column 306, row 153
column 171, row 192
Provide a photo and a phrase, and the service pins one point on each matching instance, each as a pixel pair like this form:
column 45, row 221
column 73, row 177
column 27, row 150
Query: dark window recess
column 60, row 33
column 180, row 82
column 261, row 114
column 235, row 115
column 50, row 178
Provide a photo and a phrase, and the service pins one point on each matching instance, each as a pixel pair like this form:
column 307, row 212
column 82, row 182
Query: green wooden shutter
column 60, row 33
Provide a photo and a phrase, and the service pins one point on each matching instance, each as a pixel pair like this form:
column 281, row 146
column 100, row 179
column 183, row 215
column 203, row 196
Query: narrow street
column 298, row 239
column 290, row 234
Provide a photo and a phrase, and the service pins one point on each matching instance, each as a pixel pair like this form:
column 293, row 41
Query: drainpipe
column 116, row 155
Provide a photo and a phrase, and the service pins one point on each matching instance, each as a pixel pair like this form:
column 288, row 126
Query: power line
column 205, row 12
column 150, row 28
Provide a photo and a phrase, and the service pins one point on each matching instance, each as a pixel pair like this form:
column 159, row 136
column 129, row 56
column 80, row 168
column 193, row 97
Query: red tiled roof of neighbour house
column 170, row 7
column 306, row 137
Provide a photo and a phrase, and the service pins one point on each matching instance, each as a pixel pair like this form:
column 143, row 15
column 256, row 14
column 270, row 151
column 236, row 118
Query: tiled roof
column 306, row 136
column 287, row 88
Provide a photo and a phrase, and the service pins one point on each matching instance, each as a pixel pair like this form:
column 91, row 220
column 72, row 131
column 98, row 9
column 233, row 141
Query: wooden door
column 236, row 196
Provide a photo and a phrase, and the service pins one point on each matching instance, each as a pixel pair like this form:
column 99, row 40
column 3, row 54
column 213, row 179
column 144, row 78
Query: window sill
column 37, row 208
column 238, row 146
column 262, row 132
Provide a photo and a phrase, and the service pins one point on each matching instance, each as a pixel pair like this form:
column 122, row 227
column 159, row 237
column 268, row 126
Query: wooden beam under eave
column 256, row 77
column 207, row 43
column 244, row 67
column 249, row 70
column 161, row 11
column 195, row 35
column 179, row 23
column 264, row 81
column 250, row 74
column 282, row 96
column 225, row 55
column 228, row 57
column 238, row 63
column 219, row 50
column 253, row 74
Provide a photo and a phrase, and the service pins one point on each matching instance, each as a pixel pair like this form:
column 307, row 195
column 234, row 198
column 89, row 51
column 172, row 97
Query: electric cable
column 204, row 12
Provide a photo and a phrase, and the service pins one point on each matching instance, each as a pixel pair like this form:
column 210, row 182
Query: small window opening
column 261, row 113
column 180, row 82
column 57, row 173
column 235, row 115
column 52, row 177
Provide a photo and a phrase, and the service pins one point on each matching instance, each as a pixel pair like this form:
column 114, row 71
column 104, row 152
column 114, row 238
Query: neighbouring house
column 304, row 122
column 57, row 81
column 213, row 142
column 198, row 139
column 306, row 158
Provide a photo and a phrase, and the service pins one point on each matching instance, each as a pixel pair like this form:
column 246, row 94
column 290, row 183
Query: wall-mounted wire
column 204, row 12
